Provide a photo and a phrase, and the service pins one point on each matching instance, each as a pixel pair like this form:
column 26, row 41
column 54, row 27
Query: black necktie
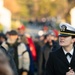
column 68, row 54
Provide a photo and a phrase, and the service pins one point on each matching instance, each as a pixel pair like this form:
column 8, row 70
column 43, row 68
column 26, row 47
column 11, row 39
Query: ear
column 73, row 40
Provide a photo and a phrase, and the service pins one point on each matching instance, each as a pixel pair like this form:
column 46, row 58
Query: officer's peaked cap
column 66, row 30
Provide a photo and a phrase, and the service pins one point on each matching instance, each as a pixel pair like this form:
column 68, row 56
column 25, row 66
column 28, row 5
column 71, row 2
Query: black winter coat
column 43, row 56
column 11, row 61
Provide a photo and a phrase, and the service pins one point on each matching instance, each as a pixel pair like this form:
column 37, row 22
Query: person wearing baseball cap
column 21, row 30
column 62, row 61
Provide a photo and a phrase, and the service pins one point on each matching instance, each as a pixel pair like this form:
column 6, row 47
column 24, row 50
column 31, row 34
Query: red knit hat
column 22, row 27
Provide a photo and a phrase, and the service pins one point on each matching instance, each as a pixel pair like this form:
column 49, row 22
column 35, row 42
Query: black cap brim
column 64, row 35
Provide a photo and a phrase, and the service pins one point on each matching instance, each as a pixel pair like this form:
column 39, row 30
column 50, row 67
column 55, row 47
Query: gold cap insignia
column 63, row 28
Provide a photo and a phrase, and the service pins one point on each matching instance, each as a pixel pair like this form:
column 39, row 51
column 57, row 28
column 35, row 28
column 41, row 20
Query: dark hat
column 3, row 35
column 13, row 32
column 66, row 30
column 50, row 32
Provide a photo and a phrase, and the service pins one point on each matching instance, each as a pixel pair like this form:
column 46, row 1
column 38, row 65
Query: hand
column 70, row 72
column 24, row 73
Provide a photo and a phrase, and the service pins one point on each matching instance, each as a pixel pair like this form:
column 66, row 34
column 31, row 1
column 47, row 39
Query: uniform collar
column 71, row 52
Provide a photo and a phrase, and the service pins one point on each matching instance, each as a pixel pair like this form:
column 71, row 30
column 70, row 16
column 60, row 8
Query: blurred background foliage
column 26, row 10
column 1, row 28
column 39, row 8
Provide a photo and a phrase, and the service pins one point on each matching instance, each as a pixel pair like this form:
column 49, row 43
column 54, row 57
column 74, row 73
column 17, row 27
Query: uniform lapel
column 73, row 58
column 62, row 56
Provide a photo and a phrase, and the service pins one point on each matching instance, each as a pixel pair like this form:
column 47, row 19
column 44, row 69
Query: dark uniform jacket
column 58, row 64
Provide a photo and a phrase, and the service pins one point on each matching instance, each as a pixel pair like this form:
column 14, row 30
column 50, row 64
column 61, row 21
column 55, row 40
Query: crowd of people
column 42, row 55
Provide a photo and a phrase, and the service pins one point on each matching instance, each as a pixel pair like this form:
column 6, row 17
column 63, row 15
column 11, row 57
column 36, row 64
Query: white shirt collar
column 71, row 52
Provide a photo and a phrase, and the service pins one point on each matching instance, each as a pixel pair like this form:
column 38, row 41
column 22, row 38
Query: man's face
column 21, row 31
column 50, row 38
column 65, row 41
column 13, row 37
